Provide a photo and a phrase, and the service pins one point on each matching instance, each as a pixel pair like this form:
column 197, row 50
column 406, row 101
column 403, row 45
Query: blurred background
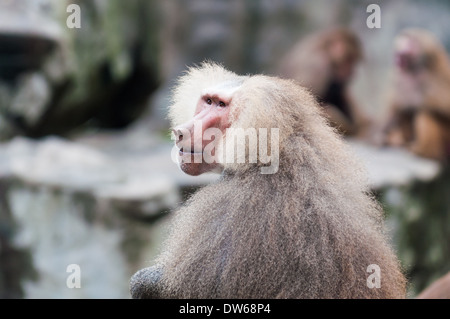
column 86, row 176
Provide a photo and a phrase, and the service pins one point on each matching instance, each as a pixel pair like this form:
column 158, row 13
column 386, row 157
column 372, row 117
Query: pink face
column 407, row 53
column 212, row 111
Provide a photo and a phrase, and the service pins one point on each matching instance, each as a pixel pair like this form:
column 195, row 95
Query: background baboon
column 310, row 230
column 325, row 63
column 419, row 115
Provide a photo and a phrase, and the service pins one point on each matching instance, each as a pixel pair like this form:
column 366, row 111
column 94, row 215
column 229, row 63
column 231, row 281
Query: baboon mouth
column 192, row 152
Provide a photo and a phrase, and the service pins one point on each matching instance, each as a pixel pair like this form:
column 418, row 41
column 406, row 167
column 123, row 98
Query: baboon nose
column 178, row 135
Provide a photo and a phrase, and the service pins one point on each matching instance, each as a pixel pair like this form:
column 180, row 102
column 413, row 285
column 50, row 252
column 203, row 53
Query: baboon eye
column 222, row 104
column 208, row 101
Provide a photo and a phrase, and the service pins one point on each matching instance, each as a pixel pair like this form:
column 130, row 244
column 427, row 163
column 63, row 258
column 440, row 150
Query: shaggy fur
column 308, row 231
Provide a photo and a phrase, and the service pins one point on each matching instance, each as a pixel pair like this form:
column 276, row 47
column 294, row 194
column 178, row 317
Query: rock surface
column 54, row 78
column 389, row 167
column 98, row 203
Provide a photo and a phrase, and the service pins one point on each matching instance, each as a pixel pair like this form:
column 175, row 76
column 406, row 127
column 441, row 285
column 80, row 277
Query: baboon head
column 225, row 121
column 417, row 49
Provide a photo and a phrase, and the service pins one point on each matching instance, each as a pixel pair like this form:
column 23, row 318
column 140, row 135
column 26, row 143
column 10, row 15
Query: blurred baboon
column 419, row 113
column 325, row 63
column 440, row 289
column 308, row 229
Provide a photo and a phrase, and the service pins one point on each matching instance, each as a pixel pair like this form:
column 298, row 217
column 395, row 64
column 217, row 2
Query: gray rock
column 31, row 98
column 75, row 204
column 388, row 167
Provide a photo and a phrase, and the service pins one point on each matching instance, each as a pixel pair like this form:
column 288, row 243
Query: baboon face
column 199, row 139
column 344, row 58
column 408, row 55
